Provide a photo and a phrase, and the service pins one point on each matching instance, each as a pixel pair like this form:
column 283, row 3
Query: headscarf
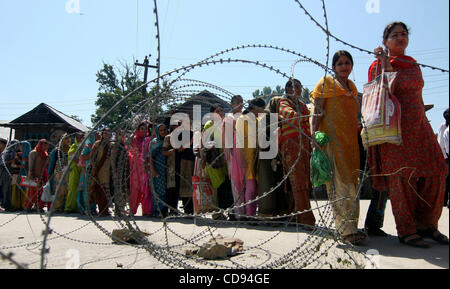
column 64, row 148
column 397, row 62
column 73, row 148
column 62, row 151
column 255, row 103
column 11, row 150
column 26, row 149
column 138, row 139
column 42, row 152
column 332, row 89
column 158, row 141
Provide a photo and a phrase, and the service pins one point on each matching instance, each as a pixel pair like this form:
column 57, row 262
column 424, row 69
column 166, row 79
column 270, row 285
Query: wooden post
column 146, row 66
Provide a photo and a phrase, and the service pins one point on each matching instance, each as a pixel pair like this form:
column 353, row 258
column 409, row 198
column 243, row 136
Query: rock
column 127, row 236
column 218, row 248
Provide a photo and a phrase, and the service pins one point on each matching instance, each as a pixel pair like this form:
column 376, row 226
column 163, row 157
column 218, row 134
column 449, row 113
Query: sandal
column 355, row 239
column 417, row 241
column 434, row 234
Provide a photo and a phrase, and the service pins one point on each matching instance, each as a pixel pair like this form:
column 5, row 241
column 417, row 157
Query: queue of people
column 146, row 169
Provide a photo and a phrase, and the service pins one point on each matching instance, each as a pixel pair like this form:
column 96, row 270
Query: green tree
column 267, row 93
column 114, row 85
column 305, row 95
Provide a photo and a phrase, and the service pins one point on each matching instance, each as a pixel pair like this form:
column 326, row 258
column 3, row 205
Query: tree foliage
column 114, row 85
column 267, row 93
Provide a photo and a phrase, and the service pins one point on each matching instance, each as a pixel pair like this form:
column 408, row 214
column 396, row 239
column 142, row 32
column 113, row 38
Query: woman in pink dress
column 138, row 176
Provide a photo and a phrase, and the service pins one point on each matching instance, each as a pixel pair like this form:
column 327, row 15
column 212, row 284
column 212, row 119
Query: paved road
column 78, row 242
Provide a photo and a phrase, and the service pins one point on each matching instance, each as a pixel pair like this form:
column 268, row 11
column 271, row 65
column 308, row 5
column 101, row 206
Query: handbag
column 27, row 182
column 47, row 196
column 202, row 191
column 381, row 112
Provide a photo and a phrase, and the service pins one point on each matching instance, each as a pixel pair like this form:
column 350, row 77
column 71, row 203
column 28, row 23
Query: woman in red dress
column 414, row 171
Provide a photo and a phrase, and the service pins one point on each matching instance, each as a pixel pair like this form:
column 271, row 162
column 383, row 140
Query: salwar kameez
column 413, row 172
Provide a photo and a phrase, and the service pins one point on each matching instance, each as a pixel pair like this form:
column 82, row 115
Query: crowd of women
column 146, row 170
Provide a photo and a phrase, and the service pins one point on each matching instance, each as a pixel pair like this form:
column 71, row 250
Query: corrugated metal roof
column 44, row 113
column 68, row 119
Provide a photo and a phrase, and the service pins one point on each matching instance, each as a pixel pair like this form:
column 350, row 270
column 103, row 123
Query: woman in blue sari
column 83, row 194
column 158, row 171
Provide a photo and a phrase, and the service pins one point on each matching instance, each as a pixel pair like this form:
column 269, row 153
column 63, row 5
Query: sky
column 51, row 50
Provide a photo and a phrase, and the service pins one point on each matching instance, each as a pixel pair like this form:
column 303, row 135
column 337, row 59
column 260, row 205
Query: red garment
column 414, row 202
column 398, row 169
column 300, row 176
column 41, row 150
column 138, row 177
column 396, row 61
column 419, row 151
column 290, row 119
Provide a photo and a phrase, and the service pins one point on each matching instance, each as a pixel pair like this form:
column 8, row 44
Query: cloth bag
column 27, row 182
column 319, row 162
column 47, row 196
column 381, row 112
column 202, row 190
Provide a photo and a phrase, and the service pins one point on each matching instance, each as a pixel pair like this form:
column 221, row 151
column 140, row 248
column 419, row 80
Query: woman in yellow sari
column 246, row 142
column 336, row 113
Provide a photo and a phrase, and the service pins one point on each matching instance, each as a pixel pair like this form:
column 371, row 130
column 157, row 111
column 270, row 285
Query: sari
column 83, row 194
column 138, row 176
column 340, row 123
column 19, row 192
column 7, row 156
column 38, row 162
column 74, row 179
column 58, row 163
column 246, row 132
column 294, row 143
column 235, row 163
column 159, row 164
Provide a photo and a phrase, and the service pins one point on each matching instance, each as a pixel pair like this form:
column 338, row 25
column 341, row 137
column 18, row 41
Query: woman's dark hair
column 391, row 27
column 446, row 116
column 215, row 106
column 340, row 53
column 235, row 98
column 256, row 102
column 142, row 124
column 290, row 84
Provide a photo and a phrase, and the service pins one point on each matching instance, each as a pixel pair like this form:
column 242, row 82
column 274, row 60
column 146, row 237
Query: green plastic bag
column 319, row 162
